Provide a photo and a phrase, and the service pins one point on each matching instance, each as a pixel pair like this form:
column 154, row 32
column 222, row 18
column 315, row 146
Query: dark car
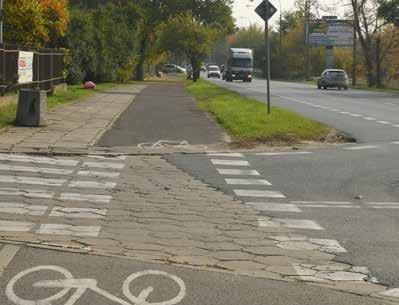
column 333, row 78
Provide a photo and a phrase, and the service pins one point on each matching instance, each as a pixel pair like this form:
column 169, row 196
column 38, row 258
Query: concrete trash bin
column 32, row 108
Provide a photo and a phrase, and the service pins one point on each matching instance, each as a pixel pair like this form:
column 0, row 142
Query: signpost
column 266, row 10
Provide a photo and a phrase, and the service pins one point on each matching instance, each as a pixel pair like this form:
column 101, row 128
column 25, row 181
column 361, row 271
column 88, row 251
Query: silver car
column 333, row 78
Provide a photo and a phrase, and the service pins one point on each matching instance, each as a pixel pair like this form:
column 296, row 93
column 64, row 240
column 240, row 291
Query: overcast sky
column 244, row 9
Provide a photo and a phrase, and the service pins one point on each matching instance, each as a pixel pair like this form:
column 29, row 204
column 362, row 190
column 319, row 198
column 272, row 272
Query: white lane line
column 103, row 165
column 62, row 229
column 304, row 243
column 16, row 226
column 330, row 206
column 370, row 119
column 78, row 212
column 335, row 110
column 32, row 180
column 260, row 194
column 361, row 147
column 384, row 122
column 395, row 125
column 26, row 193
column 389, row 207
column 274, row 207
column 39, row 160
column 15, row 168
column 92, row 184
column 382, row 203
column 355, row 115
column 391, row 293
column 230, row 162
column 98, row 174
column 7, row 254
column 247, row 182
column 395, row 143
column 85, row 198
column 344, row 112
column 322, row 202
column 238, row 172
column 22, row 209
column 233, row 155
column 114, row 158
column 285, row 153
column 289, row 223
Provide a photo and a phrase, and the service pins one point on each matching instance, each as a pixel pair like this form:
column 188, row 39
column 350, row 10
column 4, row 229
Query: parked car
column 333, row 78
column 171, row 68
column 214, row 71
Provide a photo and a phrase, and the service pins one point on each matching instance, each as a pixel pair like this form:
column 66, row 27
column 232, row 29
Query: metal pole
column 354, row 65
column 1, row 21
column 307, row 13
column 267, row 58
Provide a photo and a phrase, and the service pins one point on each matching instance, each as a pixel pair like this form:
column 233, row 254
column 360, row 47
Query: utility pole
column 378, row 60
column 1, row 21
column 354, row 65
column 307, row 46
column 267, row 71
column 281, row 34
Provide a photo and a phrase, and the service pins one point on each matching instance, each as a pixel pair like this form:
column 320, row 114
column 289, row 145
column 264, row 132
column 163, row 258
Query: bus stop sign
column 266, row 10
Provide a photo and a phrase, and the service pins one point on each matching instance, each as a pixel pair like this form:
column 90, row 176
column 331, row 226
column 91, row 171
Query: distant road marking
column 113, row 158
column 16, row 226
column 31, row 180
column 238, row 172
column 92, row 184
column 370, row 119
column 395, row 125
column 384, row 122
column 98, row 174
column 26, row 193
column 40, row 160
column 23, row 209
column 355, row 115
column 344, row 112
column 78, row 212
column 85, row 197
column 15, row 168
column 233, row 155
column 103, row 165
column 62, row 229
column 330, row 206
column 289, row 223
column 274, row 207
column 260, row 194
column 247, row 182
column 288, row 153
column 230, row 162
column 382, row 203
column 396, row 143
column 322, row 202
column 7, row 253
column 361, row 147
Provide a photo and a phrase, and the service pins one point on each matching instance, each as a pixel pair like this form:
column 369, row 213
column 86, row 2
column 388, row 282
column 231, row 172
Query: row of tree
column 376, row 24
column 112, row 40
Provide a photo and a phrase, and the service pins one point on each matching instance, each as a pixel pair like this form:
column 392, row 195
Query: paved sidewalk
column 75, row 126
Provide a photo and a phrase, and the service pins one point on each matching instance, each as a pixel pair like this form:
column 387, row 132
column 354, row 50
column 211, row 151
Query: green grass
column 74, row 93
column 246, row 120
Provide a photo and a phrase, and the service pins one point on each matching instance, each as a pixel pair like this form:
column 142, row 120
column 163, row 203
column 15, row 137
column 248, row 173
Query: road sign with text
column 266, row 10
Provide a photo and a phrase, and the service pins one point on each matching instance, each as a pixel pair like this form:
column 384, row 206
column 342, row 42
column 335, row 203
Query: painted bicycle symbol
column 173, row 144
column 80, row 286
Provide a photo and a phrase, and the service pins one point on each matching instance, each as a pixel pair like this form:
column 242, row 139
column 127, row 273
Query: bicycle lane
column 77, row 279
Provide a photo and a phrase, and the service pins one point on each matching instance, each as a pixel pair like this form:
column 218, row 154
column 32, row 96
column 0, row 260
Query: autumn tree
column 35, row 22
column 184, row 33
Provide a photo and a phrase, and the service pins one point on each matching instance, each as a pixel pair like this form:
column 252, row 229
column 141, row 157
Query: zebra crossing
column 56, row 195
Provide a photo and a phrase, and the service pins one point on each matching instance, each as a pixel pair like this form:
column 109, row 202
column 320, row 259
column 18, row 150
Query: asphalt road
column 107, row 276
column 163, row 113
column 367, row 116
column 369, row 232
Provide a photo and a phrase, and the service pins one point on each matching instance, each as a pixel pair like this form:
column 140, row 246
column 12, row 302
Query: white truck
column 239, row 65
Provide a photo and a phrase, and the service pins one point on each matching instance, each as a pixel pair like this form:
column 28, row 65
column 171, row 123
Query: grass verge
column 247, row 122
column 74, row 92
